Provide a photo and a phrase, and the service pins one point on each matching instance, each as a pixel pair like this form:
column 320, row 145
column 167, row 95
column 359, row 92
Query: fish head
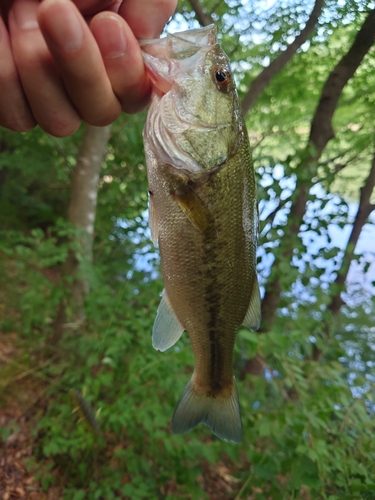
column 194, row 122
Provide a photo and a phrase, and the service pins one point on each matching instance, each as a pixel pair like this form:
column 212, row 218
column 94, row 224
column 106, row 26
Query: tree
column 82, row 213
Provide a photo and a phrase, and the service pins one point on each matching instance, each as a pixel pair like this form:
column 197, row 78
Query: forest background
column 80, row 284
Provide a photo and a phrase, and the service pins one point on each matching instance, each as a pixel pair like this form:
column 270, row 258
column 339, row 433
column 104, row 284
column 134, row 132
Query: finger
column 5, row 6
column 91, row 7
column 15, row 112
column 43, row 87
column 79, row 61
column 123, row 61
column 147, row 18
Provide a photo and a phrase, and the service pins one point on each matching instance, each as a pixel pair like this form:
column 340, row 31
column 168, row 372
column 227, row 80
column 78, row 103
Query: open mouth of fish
column 166, row 59
column 175, row 53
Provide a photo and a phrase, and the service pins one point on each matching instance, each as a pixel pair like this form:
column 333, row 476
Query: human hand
column 55, row 69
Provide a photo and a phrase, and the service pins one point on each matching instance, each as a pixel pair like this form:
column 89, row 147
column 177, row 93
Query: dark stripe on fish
column 213, row 305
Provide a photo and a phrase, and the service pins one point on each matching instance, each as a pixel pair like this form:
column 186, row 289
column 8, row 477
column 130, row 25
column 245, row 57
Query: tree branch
column 271, row 216
column 364, row 210
column 321, row 126
column 215, row 6
column 203, row 18
column 321, row 133
column 264, row 78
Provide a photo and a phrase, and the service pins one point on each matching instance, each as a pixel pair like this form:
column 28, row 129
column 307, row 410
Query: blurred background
column 80, row 285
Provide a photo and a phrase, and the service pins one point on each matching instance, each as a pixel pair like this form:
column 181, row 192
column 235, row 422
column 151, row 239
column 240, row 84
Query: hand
column 56, row 69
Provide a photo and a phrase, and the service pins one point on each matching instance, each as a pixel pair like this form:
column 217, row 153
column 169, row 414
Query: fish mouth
column 165, row 57
column 176, row 44
column 172, row 125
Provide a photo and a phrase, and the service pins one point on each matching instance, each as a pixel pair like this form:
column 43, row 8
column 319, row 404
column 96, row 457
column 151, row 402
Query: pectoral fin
column 194, row 209
column 253, row 315
column 167, row 329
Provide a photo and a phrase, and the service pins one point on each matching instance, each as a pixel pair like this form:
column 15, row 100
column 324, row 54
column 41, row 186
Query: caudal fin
column 221, row 414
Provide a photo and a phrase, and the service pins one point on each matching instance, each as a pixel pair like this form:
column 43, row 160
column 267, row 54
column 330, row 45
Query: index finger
column 91, row 7
column 147, row 18
column 125, row 68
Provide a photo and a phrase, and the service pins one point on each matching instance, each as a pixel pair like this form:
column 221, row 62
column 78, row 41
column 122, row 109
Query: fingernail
column 110, row 36
column 24, row 14
column 63, row 25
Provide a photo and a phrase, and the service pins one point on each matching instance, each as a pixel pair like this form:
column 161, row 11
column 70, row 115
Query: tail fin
column 221, row 414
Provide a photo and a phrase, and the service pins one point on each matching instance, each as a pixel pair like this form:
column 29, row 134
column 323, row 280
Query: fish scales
column 190, row 261
column 203, row 213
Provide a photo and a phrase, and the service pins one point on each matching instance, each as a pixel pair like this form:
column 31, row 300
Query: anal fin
column 167, row 329
column 253, row 314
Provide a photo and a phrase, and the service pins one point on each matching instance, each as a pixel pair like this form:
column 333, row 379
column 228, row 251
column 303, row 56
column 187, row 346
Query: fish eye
column 222, row 78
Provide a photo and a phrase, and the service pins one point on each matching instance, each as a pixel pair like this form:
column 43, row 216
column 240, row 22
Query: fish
column 203, row 214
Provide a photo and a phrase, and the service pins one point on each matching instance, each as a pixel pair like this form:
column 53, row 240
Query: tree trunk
column 81, row 212
column 84, row 189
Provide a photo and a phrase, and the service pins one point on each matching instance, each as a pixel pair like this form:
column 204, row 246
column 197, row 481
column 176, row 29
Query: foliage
column 302, row 426
column 308, row 425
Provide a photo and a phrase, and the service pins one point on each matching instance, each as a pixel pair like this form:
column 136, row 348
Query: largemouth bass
column 203, row 213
